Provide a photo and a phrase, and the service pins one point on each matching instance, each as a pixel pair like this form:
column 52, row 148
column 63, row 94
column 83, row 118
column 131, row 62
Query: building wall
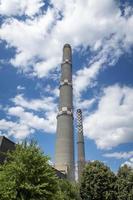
column 5, row 145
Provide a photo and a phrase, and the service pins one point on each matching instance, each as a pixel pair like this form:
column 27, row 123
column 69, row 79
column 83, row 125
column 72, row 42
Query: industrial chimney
column 80, row 144
column 64, row 156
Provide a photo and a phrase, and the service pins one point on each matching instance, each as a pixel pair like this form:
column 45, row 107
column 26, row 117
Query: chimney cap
column 79, row 110
column 67, row 45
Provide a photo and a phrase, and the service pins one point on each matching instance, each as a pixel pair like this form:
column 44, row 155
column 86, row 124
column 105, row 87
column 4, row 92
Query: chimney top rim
column 67, row 45
column 79, row 110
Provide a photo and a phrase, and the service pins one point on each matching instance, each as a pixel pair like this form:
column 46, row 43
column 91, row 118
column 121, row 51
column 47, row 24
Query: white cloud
column 129, row 163
column 39, row 39
column 33, row 121
column 111, row 124
column 52, row 91
column 4, row 124
column 27, row 119
column 19, row 87
column 42, row 69
column 87, row 29
column 43, row 104
column 84, row 104
column 18, row 130
column 119, row 155
column 20, row 7
column 101, row 27
column 35, row 46
column 83, row 77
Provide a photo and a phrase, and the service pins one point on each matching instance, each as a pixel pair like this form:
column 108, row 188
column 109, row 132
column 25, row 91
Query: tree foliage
column 27, row 175
column 97, row 182
column 125, row 183
column 68, row 191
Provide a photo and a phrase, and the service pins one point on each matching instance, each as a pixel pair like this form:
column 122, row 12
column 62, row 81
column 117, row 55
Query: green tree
column 125, row 183
column 68, row 191
column 27, row 175
column 97, row 182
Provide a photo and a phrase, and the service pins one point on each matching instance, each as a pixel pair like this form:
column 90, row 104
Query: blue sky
column 32, row 36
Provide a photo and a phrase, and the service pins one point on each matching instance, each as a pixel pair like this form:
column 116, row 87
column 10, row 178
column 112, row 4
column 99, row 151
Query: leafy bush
column 98, row 182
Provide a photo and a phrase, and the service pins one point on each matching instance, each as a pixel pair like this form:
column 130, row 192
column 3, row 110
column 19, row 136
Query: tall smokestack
column 80, row 144
column 64, row 157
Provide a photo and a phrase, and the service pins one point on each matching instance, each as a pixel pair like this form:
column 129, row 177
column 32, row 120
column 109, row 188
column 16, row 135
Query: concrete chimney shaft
column 64, row 156
column 80, row 144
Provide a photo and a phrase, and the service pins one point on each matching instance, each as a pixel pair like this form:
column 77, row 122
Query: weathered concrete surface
column 80, row 144
column 64, row 157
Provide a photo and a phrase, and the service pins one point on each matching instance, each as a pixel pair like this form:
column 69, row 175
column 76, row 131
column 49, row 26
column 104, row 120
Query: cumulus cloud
column 83, row 77
column 119, row 155
column 52, row 91
column 19, row 88
column 111, row 124
column 15, row 129
column 101, row 27
column 20, row 7
column 38, row 41
column 84, row 104
column 35, row 46
column 46, row 124
column 43, row 104
column 27, row 119
column 129, row 163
